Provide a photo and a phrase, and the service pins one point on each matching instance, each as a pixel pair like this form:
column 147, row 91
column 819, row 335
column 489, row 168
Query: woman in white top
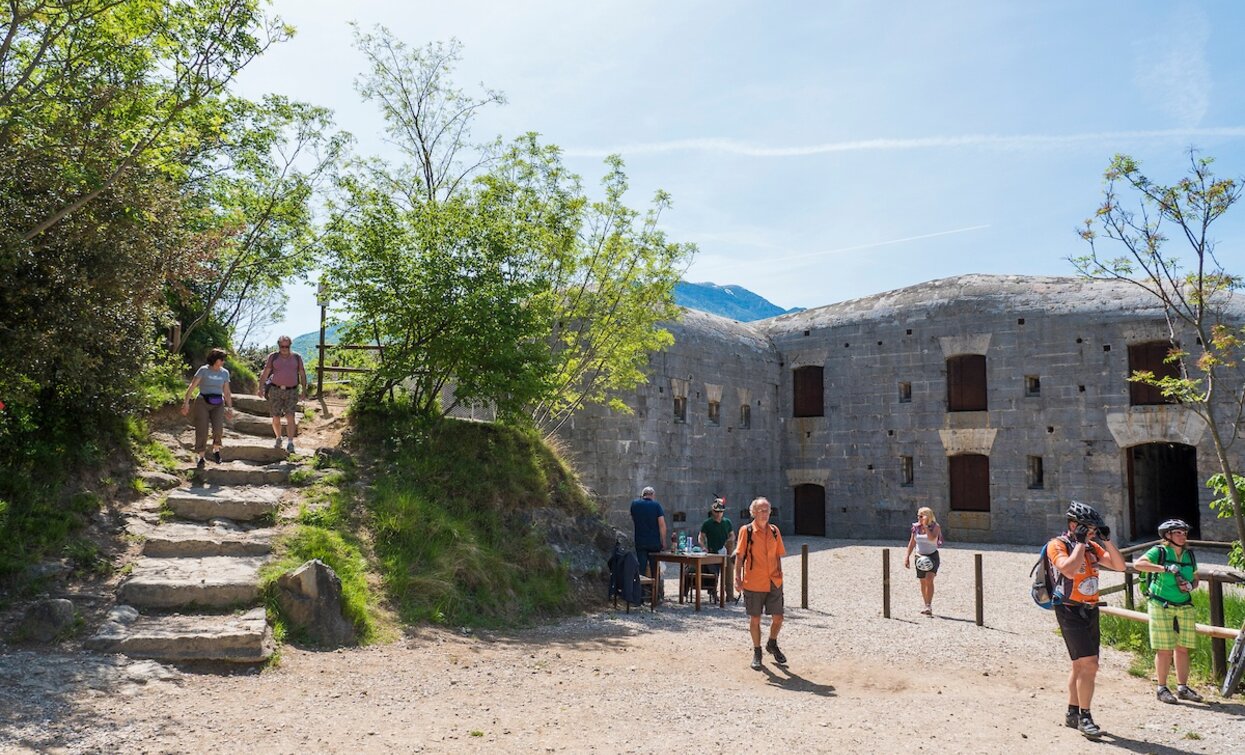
column 925, row 537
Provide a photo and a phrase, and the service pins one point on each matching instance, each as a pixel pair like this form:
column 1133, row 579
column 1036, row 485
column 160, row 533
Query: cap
column 718, row 505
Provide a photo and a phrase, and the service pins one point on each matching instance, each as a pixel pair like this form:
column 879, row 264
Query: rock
column 159, row 480
column 123, row 615
column 49, row 569
column 46, row 620
column 311, row 599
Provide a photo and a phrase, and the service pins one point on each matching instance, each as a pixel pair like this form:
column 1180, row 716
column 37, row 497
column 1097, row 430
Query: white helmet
column 924, row 563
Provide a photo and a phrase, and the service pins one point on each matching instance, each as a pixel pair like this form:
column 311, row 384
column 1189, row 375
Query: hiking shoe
column 1184, row 692
column 1087, row 727
column 202, row 463
column 756, row 659
column 1165, row 696
column 1072, row 719
column 289, row 447
column 772, row 648
column 276, row 443
column 216, row 456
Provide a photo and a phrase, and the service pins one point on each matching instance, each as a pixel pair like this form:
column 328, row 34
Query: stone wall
column 1070, row 334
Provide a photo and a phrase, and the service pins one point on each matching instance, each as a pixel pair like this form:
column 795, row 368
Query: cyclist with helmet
column 925, row 536
column 1170, row 604
column 1076, row 557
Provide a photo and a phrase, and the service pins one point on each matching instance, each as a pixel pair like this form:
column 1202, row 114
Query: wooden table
column 697, row 560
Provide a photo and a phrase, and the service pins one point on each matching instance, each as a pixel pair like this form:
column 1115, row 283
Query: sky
column 822, row 151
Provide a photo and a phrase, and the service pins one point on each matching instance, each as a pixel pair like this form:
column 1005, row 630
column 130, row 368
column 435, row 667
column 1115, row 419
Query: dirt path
column 640, row 682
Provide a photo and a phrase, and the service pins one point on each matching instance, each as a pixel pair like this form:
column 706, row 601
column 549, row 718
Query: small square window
column 1033, row 385
column 715, row 412
column 905, row 393
column 905, row 471
column 745, row 416
column 680, row 408
column 680, row 516
column 1037, row 479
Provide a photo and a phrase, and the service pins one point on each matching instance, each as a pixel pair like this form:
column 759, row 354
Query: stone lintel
column 808, row 477
column 1155, row 424
column 957, row 345
column 978, row 441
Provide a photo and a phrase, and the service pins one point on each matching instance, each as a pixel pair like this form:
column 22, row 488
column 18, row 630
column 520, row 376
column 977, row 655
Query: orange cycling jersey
column 1082, row 587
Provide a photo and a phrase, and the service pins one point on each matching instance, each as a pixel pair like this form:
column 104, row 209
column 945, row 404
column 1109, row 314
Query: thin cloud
column 1173, row 69
column 1021, row 141
column 876, row 244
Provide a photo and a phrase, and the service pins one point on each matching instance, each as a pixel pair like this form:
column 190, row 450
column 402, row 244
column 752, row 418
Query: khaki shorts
column 770, row 601
column 281, row 401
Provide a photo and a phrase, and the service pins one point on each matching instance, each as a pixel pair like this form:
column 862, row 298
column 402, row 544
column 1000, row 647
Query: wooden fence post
column 980, row 593
column 804, row 576
column 1218, row 646
column 886, row 583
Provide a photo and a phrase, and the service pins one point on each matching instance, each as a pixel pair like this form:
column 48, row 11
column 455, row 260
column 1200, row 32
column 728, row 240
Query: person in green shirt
column 1170, row 604
column 717, row 535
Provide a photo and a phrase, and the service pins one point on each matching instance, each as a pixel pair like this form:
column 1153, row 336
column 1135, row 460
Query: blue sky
column 818, row 152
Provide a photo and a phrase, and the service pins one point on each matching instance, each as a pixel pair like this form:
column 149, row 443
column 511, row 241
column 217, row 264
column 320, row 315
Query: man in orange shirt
column 758, row 570
column 1076, row 556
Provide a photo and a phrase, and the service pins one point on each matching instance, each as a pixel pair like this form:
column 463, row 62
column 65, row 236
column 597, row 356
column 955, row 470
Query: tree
column 1191, row 286
column 489, row 269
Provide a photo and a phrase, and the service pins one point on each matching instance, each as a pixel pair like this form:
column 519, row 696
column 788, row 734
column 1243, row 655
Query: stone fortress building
column 992, row 399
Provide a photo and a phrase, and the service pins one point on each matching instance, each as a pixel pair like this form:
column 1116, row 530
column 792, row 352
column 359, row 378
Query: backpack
column 748, row 528
column 625, row 575
column 1147, row 578
column 1046, row 591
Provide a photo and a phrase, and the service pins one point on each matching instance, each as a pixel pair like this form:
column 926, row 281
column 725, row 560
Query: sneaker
column 289, row 447
column 202, row 463
column 276, row 443
column 927, row 611
column 1165, row 696
column 772, row 648
column 1184, row 692
column 756, row 659
column 1087, row 727
column 1072, row 719
column 216, row 456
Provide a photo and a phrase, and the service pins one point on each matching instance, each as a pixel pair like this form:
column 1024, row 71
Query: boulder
column 159, row 480
column 47, row 620
column 311, row 600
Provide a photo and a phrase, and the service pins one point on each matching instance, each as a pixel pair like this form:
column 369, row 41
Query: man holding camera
column 1075, row 557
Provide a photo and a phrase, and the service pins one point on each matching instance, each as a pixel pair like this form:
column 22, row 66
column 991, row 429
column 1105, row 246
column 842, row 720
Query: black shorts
column 1079, row 626
column 932, row 557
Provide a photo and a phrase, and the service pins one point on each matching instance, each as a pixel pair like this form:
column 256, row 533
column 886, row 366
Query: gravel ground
column 640, row 682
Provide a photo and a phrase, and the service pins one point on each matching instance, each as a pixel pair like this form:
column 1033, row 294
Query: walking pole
column 804, row 576
column 886, row 583
column 980, row 607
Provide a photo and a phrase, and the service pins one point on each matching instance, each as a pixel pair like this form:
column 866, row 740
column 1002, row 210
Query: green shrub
column 447, row 519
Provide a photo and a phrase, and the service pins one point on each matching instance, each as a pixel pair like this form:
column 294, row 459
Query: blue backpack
column 1047, row 591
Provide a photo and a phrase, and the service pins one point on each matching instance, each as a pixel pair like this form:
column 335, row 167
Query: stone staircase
column 193, row 594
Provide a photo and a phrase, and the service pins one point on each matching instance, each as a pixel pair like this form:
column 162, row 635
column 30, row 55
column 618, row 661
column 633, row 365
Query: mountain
column 735, row 302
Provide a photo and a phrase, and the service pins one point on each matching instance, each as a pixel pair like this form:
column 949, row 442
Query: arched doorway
column 1162, row 484
column 810, row 510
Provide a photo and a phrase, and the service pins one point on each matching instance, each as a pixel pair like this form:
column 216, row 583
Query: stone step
column 212, row 582
column 242, row 504
column 250, row 424
column 254, row 404
column 264, row 454
column 243, row 638
column 185, row 540
column 245, row 473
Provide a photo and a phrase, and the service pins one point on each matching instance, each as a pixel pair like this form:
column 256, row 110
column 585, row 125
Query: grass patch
column 447, row 519
column 1134, row 636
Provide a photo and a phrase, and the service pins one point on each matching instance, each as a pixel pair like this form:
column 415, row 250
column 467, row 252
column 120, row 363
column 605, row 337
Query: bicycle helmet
column 1085, row 514
column 924, row 563
column 1172, row 524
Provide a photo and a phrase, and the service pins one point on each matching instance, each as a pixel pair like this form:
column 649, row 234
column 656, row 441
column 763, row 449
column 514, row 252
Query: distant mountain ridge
column 734, row 302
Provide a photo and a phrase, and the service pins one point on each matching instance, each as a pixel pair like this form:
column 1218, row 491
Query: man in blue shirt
column 650, row 528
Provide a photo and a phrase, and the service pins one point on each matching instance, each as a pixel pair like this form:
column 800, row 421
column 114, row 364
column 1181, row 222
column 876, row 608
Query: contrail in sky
column 1020, row 141
column 874, row 244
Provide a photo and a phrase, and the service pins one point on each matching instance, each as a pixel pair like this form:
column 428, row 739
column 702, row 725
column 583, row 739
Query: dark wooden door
column 970, row 482
column 810, row 510
column 808, row 392
column 966, row 383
